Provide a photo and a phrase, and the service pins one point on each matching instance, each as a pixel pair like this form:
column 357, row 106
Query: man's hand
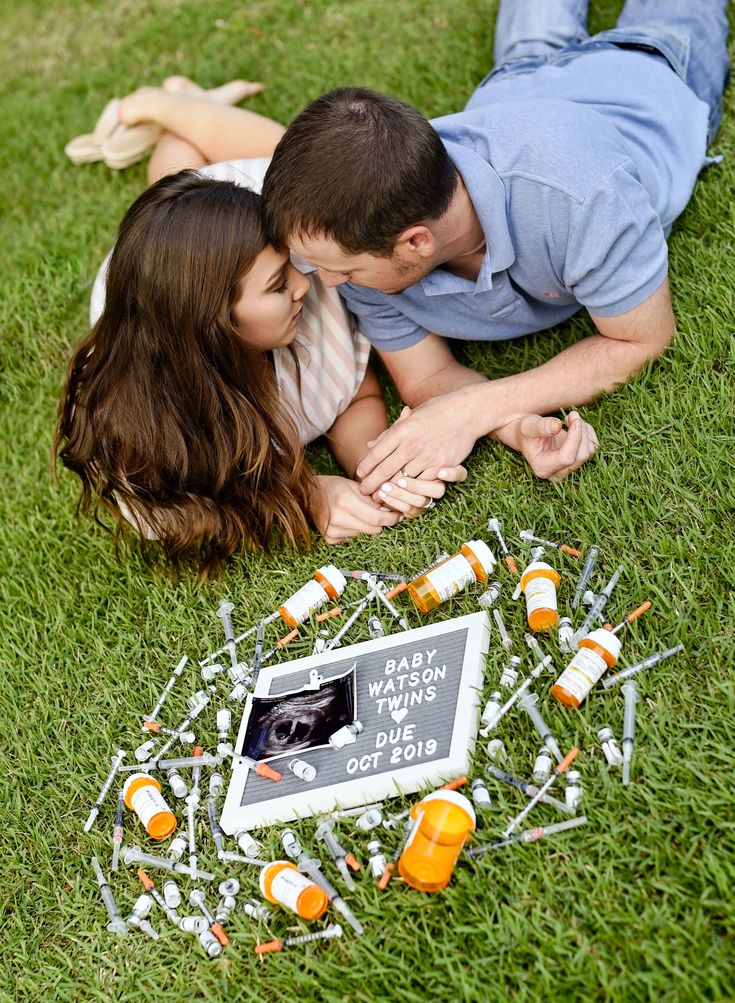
column 551, row 450
column 345, row 512
column 435, row 436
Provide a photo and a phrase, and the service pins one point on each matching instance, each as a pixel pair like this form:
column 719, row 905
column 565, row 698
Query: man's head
column 353, row 186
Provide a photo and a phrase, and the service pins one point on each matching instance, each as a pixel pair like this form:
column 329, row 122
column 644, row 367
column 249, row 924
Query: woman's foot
column 233, row 92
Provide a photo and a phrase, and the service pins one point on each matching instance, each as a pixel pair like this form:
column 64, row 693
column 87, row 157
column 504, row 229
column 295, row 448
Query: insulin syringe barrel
column 473, row 563
column 646, row 663
column 630, row 691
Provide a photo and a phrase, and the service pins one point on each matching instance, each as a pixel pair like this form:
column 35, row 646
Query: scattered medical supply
column 517, row 693
column 597, row 652
column 488, row 599
column 116, row 762
column 303, row 770
column 630, row 691
column 481, row 795
column 509, row 675
column 282, row 883
column 494, row 526
column 527, row 536
column 117, row 832
column 328, row 583
column 587, row 568
column 377, row 861
column 646, row 663
column 442, row 823
column 610, row 747
column 555, row 773
column 538, row 583
column 473, row 563
column 530, row 835
column 142, row 794
column 346, row 735
column 542, row 765
column 528, row 702
column 566, row 635
column 334, row 930
column 117, row 924
column 597, row 607
column 153, row 716
column 504, row 636
column 573, row 791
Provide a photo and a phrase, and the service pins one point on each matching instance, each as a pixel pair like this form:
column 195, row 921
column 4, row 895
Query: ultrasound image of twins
column 281, row 725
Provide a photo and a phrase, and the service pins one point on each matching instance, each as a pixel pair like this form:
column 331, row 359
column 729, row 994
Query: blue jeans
column 690, row 34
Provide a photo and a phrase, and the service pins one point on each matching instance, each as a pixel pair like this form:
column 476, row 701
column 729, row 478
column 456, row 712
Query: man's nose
column 331, row 278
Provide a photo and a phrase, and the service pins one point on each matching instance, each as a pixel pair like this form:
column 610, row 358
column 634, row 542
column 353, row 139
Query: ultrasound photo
column 293, row 722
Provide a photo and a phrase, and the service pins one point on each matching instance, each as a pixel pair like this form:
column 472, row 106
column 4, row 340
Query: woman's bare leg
column 173, row 154
column 218, row 132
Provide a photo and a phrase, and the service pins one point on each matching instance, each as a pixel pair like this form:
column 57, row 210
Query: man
column 555, row 188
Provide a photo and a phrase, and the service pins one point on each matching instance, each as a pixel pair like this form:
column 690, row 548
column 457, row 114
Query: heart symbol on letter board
column 398, row 715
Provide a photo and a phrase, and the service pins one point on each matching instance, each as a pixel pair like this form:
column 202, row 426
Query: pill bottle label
column 452, row 576
column 286, row 887
column 147, row 803
column 540, row 594
column 303, row 603
column 584, row 670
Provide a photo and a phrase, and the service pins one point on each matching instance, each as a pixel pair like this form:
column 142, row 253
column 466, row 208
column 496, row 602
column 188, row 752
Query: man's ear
column 416, row 242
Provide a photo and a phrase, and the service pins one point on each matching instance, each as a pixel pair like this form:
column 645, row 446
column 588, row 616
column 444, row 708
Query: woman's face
column 269, row 305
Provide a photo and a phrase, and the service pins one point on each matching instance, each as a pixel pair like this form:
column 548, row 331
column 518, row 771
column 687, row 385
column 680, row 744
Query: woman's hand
column 412, row 496
column 343, row 512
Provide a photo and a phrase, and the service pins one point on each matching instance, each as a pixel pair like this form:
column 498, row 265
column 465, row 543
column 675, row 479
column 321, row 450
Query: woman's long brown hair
column 166, row 412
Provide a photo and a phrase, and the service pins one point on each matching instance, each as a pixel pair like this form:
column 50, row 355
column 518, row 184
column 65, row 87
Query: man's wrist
column 480, row 408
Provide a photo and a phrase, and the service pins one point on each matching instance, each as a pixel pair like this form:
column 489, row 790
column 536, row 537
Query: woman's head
column 171, row 407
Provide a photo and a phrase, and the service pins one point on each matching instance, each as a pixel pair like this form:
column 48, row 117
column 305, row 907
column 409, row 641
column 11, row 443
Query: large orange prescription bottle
column 443, row 820
column 473, row 563
column 598, row 652
column 282, row 882
column 328, row 583
column 539, row 582
column 142, row 794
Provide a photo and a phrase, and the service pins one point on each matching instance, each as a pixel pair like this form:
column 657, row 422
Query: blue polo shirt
column 576, row 172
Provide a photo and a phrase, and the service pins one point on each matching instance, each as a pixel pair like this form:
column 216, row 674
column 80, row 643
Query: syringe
column 504, row 636
column 555, row 773
column 116, row 761
column 517, row 694
column 630, row 689
column 528, row 702
column 117, row 924
column 527, row 536
column 530, row 790
column 589, row 563
column 529, row 835
column 117, row 832
column 596, row 608
column 153, row 716
column 647, row 663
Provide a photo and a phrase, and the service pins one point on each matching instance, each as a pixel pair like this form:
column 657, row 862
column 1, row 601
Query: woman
column 213, row 359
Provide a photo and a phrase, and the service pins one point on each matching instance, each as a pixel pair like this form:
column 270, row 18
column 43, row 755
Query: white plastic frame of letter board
column 365, row 789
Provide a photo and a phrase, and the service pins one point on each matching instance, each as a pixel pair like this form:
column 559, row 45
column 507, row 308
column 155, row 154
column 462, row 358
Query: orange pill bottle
column 282, row 882
column 473, row 563
column 598, row 652
column 328, row 583
column 142, row 794
column 443, row 821
column 538, row 583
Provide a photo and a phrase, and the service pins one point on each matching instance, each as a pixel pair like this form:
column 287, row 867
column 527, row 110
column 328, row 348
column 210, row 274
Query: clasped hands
column 411, row 463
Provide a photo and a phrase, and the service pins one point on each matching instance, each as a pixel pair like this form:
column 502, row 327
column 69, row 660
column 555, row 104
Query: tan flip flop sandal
column 129, row 144
column 87, row 149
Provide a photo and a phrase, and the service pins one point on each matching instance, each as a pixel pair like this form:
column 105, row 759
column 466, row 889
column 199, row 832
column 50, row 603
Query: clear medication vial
column 142, row 794
column 303, row 770
column 442, row 823
column 539, row 582
column 346, row 735
column 283, row 883
column 473, row 563
column 542, row 766
column 573, row 790
column 481, row 795
column 598, row 652
column 328, row 583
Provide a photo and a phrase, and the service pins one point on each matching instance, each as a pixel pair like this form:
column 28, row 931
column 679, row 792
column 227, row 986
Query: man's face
column 388, row 275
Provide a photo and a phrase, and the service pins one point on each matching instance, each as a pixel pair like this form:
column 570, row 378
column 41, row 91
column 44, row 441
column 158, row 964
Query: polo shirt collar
column 487, row 193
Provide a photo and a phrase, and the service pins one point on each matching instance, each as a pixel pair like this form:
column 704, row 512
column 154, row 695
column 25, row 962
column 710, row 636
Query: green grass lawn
column 637, row 906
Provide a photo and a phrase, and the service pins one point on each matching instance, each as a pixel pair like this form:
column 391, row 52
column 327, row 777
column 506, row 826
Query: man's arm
column 453, row 407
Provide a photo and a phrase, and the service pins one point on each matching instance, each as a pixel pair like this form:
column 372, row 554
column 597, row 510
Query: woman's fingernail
column 381, row 494
column 387, row 488
column 402, row 482
column 358, row 472
column 442, row 474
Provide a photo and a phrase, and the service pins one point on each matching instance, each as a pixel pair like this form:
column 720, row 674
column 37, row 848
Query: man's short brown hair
column 357, row 167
